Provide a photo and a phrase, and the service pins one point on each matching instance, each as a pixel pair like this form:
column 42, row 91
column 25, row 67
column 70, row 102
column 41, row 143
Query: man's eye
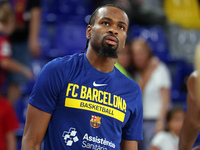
column 105, row 23
column 121, row 27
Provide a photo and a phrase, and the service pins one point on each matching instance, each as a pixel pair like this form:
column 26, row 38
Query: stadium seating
column 156, row 38
column 70, row 37
column 180, row 73
column 62, row 39
column 65, row 10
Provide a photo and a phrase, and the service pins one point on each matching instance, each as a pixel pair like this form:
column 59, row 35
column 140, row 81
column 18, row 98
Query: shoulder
column 62, row 68
column 126, row 83
column 162, row 67
column 191, row 83
column 192, row 78
column 64, row 62
column 162, row 75
column 161, row 136
column 125, row 79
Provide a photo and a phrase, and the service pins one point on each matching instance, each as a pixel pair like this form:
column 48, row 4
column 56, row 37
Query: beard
column 108, row 51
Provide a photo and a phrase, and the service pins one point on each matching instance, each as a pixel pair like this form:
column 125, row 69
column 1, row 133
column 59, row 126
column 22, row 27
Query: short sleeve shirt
column 152, row 98
column 165, row 141
column 90, row 109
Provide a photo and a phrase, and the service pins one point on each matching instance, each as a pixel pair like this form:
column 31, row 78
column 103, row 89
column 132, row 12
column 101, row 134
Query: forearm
column 12, row 65
column 11, row 141
column 28, row 144
column 34, row 23
column 129, row 145
column 164, row 108
column 35, row 128
column 189, row 133
column 145, row 78
column 165, row 98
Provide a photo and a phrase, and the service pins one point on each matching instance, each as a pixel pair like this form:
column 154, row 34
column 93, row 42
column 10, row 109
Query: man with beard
column 82, row 101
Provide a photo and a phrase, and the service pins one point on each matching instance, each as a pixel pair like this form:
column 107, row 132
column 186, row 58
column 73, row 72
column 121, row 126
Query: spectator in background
column 124, row 60
column 8, row 125
column 24, row 40
column 168, row 139
column 6, row 62
column 154, row 80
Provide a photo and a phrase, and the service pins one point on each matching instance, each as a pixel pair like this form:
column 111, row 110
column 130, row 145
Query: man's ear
column 88, row 32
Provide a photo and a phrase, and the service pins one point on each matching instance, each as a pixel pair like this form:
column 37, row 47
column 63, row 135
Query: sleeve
column 5, row 51
column 160, row 141
column 11, row 121
column 163, row 78
column 133, row 130
column 48, row 85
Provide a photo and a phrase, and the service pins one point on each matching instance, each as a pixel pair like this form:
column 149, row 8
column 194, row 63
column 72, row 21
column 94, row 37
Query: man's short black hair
column 93, row 16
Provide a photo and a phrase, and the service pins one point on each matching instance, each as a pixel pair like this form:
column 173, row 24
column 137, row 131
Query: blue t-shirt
column 90, row 109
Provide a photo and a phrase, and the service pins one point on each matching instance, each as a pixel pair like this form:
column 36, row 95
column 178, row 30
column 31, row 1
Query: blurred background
column 47, row 29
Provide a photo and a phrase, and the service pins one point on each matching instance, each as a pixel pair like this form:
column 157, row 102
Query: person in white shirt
column 154, row 79
column 168, row 139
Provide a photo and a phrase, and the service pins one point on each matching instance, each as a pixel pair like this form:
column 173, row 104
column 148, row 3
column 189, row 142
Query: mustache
column 112, row 36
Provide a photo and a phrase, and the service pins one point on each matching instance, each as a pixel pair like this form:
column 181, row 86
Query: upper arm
column 191, row 85
column 129, row 145
column 36, row 125
column 165, row 93
column 193, row 111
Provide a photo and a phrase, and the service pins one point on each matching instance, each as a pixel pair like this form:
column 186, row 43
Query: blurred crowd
column 158, row 55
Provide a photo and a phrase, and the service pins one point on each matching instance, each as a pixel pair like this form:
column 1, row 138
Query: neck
column 101, row 63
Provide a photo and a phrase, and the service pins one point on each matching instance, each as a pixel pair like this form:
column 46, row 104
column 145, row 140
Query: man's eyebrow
column 106, row 18
column 122, row 22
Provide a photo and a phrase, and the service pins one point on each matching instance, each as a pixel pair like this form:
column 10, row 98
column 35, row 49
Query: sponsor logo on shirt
column 95, row 121
column 95, row 100
column 88, row 141
column 94, row 142
column 70, row 136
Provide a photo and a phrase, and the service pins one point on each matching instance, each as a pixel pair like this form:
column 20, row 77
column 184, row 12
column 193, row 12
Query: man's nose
column 113, row 31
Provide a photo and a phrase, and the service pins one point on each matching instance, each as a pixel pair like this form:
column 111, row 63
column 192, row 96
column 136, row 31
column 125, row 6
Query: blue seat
column 156, row 38
column 70, row 38
column 62, row 39
column 46, row 38
column 49, row 10
column 65, row 10
column 74, row 10
column 181, row 73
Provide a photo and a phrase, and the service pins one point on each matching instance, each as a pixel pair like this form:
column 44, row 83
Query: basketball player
column 82, row 101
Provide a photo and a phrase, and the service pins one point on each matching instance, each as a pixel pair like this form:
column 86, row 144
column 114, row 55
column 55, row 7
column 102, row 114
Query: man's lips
column 111, row 40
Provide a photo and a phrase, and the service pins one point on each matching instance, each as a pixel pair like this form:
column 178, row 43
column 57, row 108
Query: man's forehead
column 109, row 11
